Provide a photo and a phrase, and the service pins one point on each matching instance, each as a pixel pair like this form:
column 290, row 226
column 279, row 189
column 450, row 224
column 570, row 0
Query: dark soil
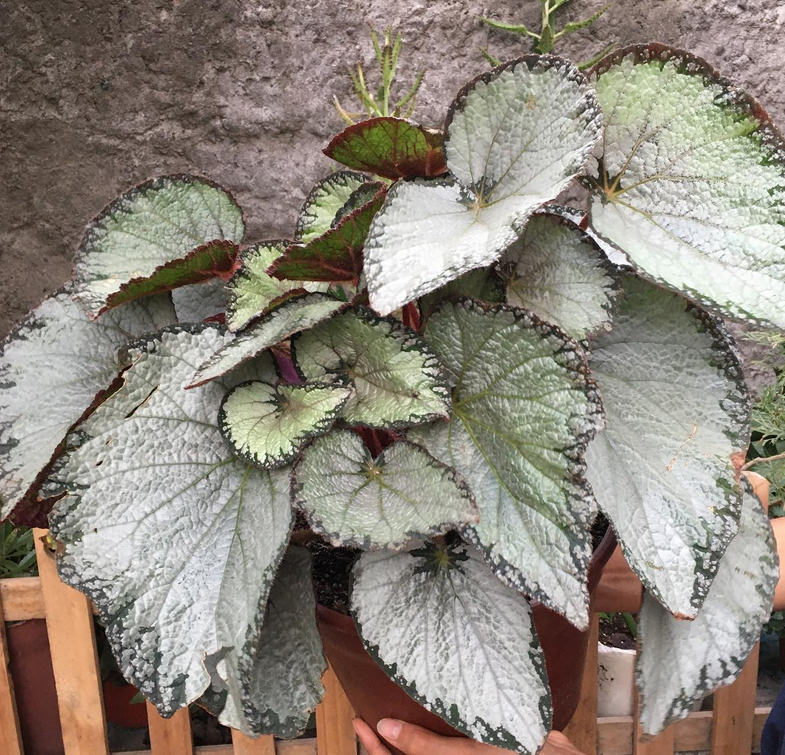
column 615, row 633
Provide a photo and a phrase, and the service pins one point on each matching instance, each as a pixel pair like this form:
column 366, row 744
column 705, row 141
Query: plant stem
column 751, row 462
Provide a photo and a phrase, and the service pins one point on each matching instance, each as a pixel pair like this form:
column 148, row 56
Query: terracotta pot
column 34, row 687
column 374, row 696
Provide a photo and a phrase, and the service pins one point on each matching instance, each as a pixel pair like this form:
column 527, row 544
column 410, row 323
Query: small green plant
column 381, row 103
column 17, row 552
column 544, row 40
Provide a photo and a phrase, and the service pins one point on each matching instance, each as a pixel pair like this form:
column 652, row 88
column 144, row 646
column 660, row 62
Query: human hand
column 414, row 740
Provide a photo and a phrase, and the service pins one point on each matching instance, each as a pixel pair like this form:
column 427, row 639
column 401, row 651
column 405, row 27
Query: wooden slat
column 582, row 729
column 22, row 599
column 693, row 734
column 246, row 746
column 334, row 732
column 734, row 711
column 283, row 747
column 10, row 736
column 661, row 745
column 74, row 660
column 170, row 736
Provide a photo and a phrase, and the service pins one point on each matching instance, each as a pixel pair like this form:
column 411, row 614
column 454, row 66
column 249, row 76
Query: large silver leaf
column 523, row 411
column 397, row 379
column 401, row 495
column 197, row 302
column 276, row 326
column 677, row 415
column 691, row 182
column 457, row 640
column 681, row 662
column 174, row 540
column 515, row 137
column 324, row 202
column 53, row 365
column 282, row 674
column 557, row 272
column 268, row 425
column 156, row 223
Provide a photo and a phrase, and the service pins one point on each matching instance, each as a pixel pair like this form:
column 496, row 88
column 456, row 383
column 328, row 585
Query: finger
column 368, row 738
column 414, row 740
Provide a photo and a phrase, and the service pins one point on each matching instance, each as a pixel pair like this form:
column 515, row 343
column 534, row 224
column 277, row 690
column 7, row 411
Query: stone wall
column 97, row 95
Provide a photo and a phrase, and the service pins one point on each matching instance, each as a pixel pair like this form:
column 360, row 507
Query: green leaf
column 268, row 425
column 690, row 184
column 431, row 619
column 523, row 411
column 401, row 495
column 336, row 255
column 154, row 231
column 581, row 219
column 389, row 147
column 483, row 284
column 194, row 304
column 292, row 316
column 174, row 540
column 324, row 202
column 252, row 292
column 288, row 652
column 397, row 379
column 557, row 272
column 677, row 417
column 515, row 137
column 681, row 662
column 54, row 366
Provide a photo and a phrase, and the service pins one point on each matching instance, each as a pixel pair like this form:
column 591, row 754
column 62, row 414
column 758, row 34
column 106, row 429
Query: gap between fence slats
column 170, row 736
column 10, row 736
column 582, row 729
column 334, row 732
column 74, row 660
column 734, row 711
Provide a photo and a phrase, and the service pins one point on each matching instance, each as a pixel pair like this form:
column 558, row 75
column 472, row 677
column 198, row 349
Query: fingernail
column 389, row 728
column 355, row 726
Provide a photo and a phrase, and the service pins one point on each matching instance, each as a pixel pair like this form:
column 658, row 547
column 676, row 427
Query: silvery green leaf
column 690, row 182
column 276, row 326
column 483, row 285
column 681, row 662
column 283, row 672
column 252, row 292
column 677, row 417
column 557, row 272
column 457, row 640
column 397, row 379
column 158, row 222
column 268, row 425
column 195, row 303
column 401, row 495
column 581, row 219
column 173, row 539
column 515, row 137
column 53, row 366
column 524, row 409
column 324, row 202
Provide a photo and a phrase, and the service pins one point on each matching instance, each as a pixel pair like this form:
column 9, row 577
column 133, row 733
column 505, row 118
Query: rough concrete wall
column 97, row 95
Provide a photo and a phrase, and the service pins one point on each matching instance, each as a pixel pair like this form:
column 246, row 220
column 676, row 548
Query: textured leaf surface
column 557, row 272
column 683, row 661
column 323, row 203
column 389, row 147
column 483, row 285
column 211, row 260
column 691, row 182
column 523, row 411
column 268, row 425
column 174, row 540
column 283, row 684
column 436, row 631
column 581, row 219
column 336, row 255
column 677, row 413
column 386, row 502
column 196, row 303
column 292, row 316
column 515, row 137
column 159, row 222
column 397, row 379
column 52, row 367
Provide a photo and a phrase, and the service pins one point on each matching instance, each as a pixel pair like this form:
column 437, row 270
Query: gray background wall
column 97, row 95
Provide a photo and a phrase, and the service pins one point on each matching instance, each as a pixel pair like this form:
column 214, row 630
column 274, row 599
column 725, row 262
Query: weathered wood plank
column 246, row 746
column 582, row 729
column 170, row 736
column 10, row 735
column 22, row 599
column 734, row 711
column 334, row 732
column 74, row 659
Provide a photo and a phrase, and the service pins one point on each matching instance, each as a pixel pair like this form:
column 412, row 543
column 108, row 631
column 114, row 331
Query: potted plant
column 441, row 372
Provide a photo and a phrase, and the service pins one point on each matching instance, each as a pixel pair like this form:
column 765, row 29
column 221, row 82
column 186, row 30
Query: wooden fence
column 732, row 728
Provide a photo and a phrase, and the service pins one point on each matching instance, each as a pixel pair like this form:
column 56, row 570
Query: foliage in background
column 544, row 40
column 17, row 552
